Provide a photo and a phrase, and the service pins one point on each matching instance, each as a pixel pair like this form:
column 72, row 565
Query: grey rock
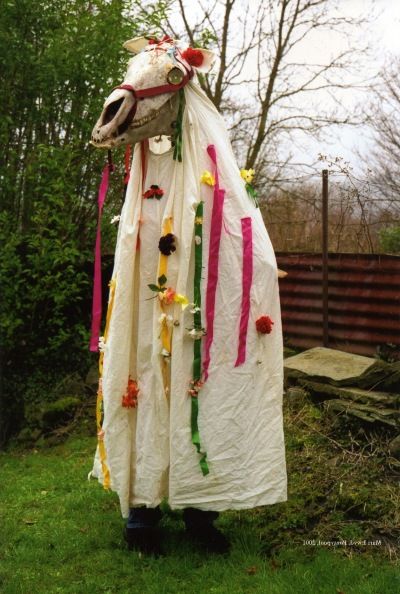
column 329, row 363
column 59, row 412
column 394, row 447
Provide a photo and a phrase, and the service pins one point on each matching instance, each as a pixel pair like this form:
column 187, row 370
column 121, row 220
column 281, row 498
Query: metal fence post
column 325, row 311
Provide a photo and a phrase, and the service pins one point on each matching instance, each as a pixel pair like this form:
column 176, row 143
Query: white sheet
column 149, row 451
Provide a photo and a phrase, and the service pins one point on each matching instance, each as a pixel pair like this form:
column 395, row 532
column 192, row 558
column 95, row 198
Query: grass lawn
column 62, row 533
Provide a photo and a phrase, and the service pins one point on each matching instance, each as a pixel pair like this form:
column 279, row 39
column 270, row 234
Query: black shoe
column 144, row 540
column 209, row 538
column 201, row 530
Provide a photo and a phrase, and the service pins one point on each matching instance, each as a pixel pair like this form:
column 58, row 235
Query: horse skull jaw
column 114, row 127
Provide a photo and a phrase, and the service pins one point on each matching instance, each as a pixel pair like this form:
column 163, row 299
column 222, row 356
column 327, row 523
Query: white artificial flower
column 195, row 309
column 115, row 219
column 195, row 333
column 102, row 344
column 197, row 239
column 166, row 318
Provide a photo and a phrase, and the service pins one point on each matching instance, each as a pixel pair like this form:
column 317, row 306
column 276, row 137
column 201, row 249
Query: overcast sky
column 383, row 33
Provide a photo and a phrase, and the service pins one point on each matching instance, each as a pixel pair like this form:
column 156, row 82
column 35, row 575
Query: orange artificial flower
column 129, row 399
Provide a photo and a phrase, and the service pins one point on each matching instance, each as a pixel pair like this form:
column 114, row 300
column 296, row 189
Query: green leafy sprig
column 160, row 288
column 253, row 194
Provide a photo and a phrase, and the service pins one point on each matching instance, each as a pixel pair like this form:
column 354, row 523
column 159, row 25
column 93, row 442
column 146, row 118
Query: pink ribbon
column 213, row 258
column 247, row 278
column 97, row 299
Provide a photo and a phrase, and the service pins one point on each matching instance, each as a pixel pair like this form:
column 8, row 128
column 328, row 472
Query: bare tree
column 384, row 121
column 293, row 215
column 266, row 92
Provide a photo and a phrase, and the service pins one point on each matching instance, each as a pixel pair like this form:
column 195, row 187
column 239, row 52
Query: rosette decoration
column 264, row 325
column 193, row 56
column 154, row 192
column 166, row 245
column 129, row 399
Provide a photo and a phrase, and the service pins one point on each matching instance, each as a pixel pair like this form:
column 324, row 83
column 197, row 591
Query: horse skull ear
column 201, row 59
column 136, row 44
column 209, row 59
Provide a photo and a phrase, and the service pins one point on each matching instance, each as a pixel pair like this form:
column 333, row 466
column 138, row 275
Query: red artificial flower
column 168, row 295
column 166, row 38
column 154, row 192
column 264, row 325
column 194, row 57
column 195, row 387
column 129, row 399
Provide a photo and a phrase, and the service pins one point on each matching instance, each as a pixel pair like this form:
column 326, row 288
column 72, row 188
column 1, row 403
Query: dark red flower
column 166, row 38
column 154, row 192
column 264, row 325
column 194, row 57
column 166, row 245
column 129, row 399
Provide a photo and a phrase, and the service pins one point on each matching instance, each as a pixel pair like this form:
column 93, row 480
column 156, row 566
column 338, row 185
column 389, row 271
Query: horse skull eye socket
column 175, row 76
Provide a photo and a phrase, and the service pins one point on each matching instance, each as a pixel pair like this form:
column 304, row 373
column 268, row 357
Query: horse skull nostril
column 125, row 125
column 111, row 111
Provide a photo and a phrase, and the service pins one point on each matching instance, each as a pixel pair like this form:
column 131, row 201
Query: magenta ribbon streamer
column 97, row 299
column 247, row 279
column 213, row 258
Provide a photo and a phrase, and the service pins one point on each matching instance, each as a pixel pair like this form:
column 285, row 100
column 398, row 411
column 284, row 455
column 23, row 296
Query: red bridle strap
column 152, row 91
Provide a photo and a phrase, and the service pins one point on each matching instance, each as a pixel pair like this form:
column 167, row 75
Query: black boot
column 201, row 530
column 141, row 531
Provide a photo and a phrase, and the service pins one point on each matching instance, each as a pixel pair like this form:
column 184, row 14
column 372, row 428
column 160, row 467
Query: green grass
column 61, row 533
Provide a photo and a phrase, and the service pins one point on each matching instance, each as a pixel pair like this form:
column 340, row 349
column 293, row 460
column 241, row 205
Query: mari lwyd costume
column 191, row 363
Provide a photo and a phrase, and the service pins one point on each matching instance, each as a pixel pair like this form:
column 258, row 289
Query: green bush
column 58, row 59
column 43, row 328
column 389, row 240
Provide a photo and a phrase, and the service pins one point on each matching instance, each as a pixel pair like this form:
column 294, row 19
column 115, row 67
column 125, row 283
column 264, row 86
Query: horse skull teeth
column 145, row 119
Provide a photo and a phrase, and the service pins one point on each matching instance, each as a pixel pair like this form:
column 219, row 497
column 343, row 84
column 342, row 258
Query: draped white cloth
column 149, row 451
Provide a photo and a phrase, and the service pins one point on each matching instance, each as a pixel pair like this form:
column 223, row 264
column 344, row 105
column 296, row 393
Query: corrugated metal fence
column 363, row 300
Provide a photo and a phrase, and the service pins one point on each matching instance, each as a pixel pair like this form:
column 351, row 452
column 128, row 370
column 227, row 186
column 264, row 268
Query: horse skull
column 154, row 65
column 154, row 115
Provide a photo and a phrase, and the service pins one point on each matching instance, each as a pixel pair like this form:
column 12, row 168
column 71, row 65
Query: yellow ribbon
column 162, row 270
column 99, row 402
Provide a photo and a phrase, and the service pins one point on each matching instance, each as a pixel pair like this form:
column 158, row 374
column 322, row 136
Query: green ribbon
column 198, row 259
column 253, row 194
column 196, row 436
column 179, row 127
